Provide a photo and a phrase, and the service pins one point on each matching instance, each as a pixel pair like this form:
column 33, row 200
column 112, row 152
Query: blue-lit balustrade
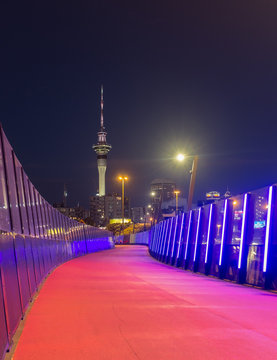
column 233, row 238
column 34, row 239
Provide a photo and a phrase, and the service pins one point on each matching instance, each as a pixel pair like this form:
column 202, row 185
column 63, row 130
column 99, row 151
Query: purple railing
column 34, row 239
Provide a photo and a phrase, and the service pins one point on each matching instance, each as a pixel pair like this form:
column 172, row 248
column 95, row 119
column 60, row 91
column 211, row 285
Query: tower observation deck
column 102, row 148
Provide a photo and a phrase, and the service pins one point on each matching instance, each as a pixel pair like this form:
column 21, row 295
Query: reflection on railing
column 233, row 239
column 34, row 238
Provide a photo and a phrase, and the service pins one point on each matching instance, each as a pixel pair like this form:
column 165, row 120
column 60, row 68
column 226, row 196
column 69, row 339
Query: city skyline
column 178, row 77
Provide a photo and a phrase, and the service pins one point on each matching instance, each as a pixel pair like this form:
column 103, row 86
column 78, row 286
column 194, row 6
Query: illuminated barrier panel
column 270, row 250
column 163, row 239
column 234, row 238
column 216, row 241
column 34, row 239
column 187, row 239
column 160, row 238
column 209, row 240
column 191, row 240
column 173, row 243
column 224, row 238
column 202, row 240
column 141, row 238
column 241, row 263
column 197, row 240
column 152, row 240
column 168, row 239
column 180, row 241
column 157, row 238
column 132, row 238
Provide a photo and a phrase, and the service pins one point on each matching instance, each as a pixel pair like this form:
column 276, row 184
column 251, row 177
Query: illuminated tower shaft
column 102, row 166
column 102, row 148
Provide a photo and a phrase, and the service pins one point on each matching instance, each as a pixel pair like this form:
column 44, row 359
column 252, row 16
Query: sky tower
column 102, row 149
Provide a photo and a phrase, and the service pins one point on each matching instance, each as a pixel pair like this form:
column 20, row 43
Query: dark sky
column 197, row 76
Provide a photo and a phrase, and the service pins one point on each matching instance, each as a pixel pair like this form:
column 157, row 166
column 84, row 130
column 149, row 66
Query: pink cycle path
column 122, row 304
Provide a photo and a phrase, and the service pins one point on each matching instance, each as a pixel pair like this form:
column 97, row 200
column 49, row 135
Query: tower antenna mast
column 102, row 108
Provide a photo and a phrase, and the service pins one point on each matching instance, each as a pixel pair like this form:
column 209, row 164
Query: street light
column 122, row 179
column 181, row 157
column 176, row 192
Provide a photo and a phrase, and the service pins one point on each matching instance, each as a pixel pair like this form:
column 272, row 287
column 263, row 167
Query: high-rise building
column 102, row 148
column 161, row 190
column 138, row 214
column 105, row 208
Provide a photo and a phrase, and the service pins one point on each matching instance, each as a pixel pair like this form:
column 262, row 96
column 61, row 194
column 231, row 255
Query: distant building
column 138, row 214
column 104, row 208
column 169, row 207
column 161, row 190
column 212, row 195
column 76, row 213
column 227, row 194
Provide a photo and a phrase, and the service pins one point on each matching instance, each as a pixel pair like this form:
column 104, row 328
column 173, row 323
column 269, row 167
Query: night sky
column 192, row 76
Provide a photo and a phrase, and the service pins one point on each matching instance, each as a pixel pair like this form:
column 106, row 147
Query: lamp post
column 176, row 192
column 122, row 179
column 181, row 157
column 154, row 207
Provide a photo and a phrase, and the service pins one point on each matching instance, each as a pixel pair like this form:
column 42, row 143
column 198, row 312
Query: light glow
column 223, row 232
column 209, row 233
column 197, row 234
column 180, row 157
column 268, row 225
column 242, row 229
column 122, row 178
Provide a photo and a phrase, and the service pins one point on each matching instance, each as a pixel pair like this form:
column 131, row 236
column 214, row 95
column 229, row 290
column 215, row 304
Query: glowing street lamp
column 181, row 157
column 176, row 192
column 122, row 179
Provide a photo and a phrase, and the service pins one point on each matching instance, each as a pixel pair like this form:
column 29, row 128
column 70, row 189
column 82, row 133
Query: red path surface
column 122, row 304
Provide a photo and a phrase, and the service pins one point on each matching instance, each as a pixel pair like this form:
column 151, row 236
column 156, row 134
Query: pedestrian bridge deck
column 123, row 304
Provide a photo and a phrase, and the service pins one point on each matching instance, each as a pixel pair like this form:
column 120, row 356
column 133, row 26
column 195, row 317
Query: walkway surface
column 122, row 304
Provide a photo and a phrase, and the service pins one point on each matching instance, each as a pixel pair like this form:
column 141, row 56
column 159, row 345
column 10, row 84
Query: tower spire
column 102, row 108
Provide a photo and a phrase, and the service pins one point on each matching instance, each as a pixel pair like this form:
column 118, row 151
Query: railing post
column 270, row 249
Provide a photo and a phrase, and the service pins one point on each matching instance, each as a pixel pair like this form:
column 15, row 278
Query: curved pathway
column 122, row 304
